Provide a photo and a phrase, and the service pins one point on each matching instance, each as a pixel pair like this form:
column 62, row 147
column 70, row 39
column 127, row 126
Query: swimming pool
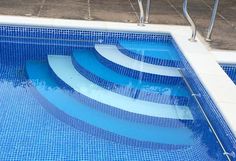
column 73, row 94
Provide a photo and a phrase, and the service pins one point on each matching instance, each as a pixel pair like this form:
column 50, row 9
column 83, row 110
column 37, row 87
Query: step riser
column 76, row 114
column 115, row 112
column 64, row 69
column 98, row 132
column 139, row 75
column 130, row 92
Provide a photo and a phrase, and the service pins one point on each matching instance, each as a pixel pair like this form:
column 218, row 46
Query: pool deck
column 162, row 12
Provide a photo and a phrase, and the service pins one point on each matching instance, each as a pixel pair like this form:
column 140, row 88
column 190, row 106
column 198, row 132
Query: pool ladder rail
column 187, row 16
column 145, row 18
column 141, row 16
column 212, row 22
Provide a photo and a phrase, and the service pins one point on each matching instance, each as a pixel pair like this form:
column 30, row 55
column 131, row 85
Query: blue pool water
column 59, row 100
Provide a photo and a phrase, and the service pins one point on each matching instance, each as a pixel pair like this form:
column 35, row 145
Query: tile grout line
column 132, row 6
column 41, row 7
column 219, row 14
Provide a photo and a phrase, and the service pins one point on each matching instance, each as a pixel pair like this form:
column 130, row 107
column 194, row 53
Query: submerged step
column 86, row 62
column 62, row 66
column 124, row 131
column 113, row 58
column 159, row 53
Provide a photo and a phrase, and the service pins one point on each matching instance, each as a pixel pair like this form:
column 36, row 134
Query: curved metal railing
column 193, row 26
column 141, row 18
column 187, row 16
column 147, row 11
column 212, row 22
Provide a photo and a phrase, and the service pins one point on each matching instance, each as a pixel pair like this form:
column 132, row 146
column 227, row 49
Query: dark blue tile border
column 148, row 59
column 130, row 92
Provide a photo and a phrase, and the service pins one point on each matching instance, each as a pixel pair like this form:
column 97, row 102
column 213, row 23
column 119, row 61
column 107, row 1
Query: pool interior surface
column 98, row 100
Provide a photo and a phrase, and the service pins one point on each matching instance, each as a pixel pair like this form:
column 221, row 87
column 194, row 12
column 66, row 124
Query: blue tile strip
column 148, row 59
column 84, row 37
column 130, row 92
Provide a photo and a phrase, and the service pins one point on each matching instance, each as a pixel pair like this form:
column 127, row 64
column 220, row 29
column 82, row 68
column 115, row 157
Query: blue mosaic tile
column 78, row 35
column 230, row 70
column 43, row 137
column 217, row 120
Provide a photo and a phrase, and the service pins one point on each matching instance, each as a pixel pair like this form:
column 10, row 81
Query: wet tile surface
column 162, row 12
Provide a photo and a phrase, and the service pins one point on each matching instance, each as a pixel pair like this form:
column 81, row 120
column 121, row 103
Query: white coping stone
column 112, row 53
column 64, row 69
column 181, row 34
column 224, row 56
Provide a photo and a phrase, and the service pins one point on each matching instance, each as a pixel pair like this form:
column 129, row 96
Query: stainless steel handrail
column 212, row 22
column 227, row 154
column 141, row 17
column 193, row 26
column 147, row 11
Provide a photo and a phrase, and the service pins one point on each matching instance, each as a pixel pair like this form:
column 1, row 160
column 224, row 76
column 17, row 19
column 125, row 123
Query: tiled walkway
column 162, row 12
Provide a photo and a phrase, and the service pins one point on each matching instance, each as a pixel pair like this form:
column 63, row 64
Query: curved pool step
column 66, row 108
column 86, row 63
column 158, row 53
column 110, row 56
column 62, row 66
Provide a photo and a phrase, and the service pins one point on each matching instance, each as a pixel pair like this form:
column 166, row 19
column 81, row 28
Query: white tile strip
column 112, row 53
column 195, row 52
